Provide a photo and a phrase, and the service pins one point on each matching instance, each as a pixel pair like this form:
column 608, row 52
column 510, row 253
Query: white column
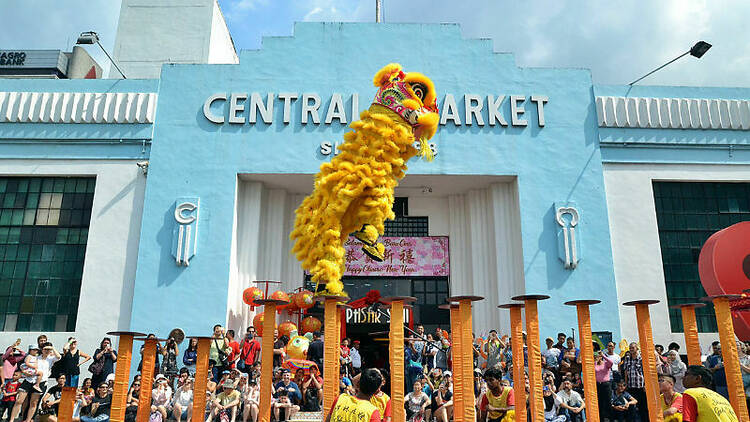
column 245, row 246
column 508, row 247
column 460, row 249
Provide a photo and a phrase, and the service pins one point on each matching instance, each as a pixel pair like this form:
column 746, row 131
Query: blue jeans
column 71, row 381
column 101, row 418
column 574, row 417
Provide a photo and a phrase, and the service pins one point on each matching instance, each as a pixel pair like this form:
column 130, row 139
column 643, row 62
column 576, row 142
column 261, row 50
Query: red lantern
column 279, row 295
column 292, row 307
column 304, row 299
column 311, row 324
column 286, row 328
column 250, row 295
column 258, row 323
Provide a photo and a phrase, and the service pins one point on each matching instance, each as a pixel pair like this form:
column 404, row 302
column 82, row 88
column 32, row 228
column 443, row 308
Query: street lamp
column 92, row 37
column 697, row 51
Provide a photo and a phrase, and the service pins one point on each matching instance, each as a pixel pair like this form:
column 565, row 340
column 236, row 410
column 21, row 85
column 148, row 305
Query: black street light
column 697, row 51
column 92, row 37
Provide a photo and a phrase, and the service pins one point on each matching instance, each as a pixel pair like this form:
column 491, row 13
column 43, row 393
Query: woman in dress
column 416, row 403
column 105, row 356
column 71, row 362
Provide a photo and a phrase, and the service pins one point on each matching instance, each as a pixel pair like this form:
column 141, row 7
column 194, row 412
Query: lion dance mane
column 353, row 193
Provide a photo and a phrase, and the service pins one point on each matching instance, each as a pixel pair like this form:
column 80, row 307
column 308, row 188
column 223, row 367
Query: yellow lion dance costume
column 353, row 193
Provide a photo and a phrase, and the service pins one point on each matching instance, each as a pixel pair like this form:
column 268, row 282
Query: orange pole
column 67, row 403
column 519, row 375
column 456, row 355
column 147, row 379
column 587, row 359
column 122, row 376
column 646, row 339
column 536, row 402
column 266, row 364
column 690, row 327
column 397, row 362
column 330, row 356
column 201, row 378
column 731, row 358
column 467, row 360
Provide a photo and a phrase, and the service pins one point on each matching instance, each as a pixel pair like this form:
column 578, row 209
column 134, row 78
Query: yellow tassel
column 425, row 150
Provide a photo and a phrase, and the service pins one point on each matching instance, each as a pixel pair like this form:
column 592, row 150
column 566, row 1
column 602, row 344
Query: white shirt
column 552, row 357
column 572, row 398
column 552, row 413
column 45, row 366
column 615, row 359
column 355, row 357
column 161, row 397
column 183, row 398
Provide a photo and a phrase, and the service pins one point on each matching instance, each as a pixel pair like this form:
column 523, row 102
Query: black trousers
column 640, row 395
column 604, row 397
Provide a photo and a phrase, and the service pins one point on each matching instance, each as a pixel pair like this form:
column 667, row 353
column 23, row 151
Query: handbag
column 223, row 357
column 97, row 367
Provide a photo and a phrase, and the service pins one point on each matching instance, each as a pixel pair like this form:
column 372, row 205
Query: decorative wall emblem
column 185, row 235
column 568, row 238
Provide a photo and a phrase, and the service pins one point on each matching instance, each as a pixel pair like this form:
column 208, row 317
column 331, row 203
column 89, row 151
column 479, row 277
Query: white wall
column 112, row 249
column 635, row 237
column 169, row 31
column 221, row 47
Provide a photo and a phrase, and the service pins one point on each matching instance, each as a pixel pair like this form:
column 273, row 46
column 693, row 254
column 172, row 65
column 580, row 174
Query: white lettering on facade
column 287, row 97
column 266, row 110
column 493, row 110
column 473, row 112
column 235, row 107
column 336, row 110
column 311, row 109
column 517, row 110
column 449, row 111
column 473, row 104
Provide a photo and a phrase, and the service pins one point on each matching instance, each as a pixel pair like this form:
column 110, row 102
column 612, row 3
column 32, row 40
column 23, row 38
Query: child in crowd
column 9, row 391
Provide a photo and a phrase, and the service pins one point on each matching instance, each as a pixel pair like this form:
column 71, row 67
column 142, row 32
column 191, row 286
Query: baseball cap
column 110, row 377
column 33, row 346
column 448, row 373
column 160, row 376
column 226, row 371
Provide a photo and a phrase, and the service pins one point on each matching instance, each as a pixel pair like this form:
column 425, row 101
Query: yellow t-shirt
column 224, row 398
column 348, row 408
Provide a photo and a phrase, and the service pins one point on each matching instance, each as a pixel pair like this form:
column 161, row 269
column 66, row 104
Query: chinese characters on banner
column 404, row 257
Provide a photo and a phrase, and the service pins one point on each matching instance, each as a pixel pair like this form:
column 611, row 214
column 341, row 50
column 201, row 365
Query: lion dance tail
column 354, row 189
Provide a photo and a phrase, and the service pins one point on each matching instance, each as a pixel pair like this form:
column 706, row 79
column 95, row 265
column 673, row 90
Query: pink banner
column 404, row 256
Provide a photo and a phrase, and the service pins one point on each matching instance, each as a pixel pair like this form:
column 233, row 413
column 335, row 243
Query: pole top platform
column 582, row 302
column 641, row 302
column 448, row 306
column 201, row 337
column 729, row 297
column 270, row 302
column 460, row 298
column 126, row 333
column 324, row 298
column 144, row 339
column 530, row 297
column 391, row 299
column 688, row 305
column 511, row 305
column 267, row 281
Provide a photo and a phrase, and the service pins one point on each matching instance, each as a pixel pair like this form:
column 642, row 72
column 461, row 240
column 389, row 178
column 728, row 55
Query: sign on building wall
column 404, row 257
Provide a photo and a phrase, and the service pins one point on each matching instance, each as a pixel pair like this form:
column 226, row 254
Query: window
column 687, row 215
column 403, row 225
column 44, row 224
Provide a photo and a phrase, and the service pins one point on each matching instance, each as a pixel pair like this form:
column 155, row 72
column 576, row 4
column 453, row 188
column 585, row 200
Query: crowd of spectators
column 33, row 378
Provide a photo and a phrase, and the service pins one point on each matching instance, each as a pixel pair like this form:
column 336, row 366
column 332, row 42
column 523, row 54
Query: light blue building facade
column 543, row 183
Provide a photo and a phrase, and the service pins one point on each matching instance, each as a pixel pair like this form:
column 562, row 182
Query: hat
column 159, row 377
column 477, row 371
column 228, row 384
column 226, row 371
column 356, row 342
column 448, row 373
column 33, row 346
column 549, row 339
column 110, row 377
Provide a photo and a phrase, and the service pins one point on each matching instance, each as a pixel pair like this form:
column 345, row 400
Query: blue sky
column 618, row 41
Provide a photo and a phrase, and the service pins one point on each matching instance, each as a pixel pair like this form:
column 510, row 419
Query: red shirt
column 235, row 351
column 689, row 409
column 510, row 401
column 11, row 387
column 250, row 351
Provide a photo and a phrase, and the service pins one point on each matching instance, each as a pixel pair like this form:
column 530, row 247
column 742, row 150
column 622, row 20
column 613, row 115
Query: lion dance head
column 411, row 96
